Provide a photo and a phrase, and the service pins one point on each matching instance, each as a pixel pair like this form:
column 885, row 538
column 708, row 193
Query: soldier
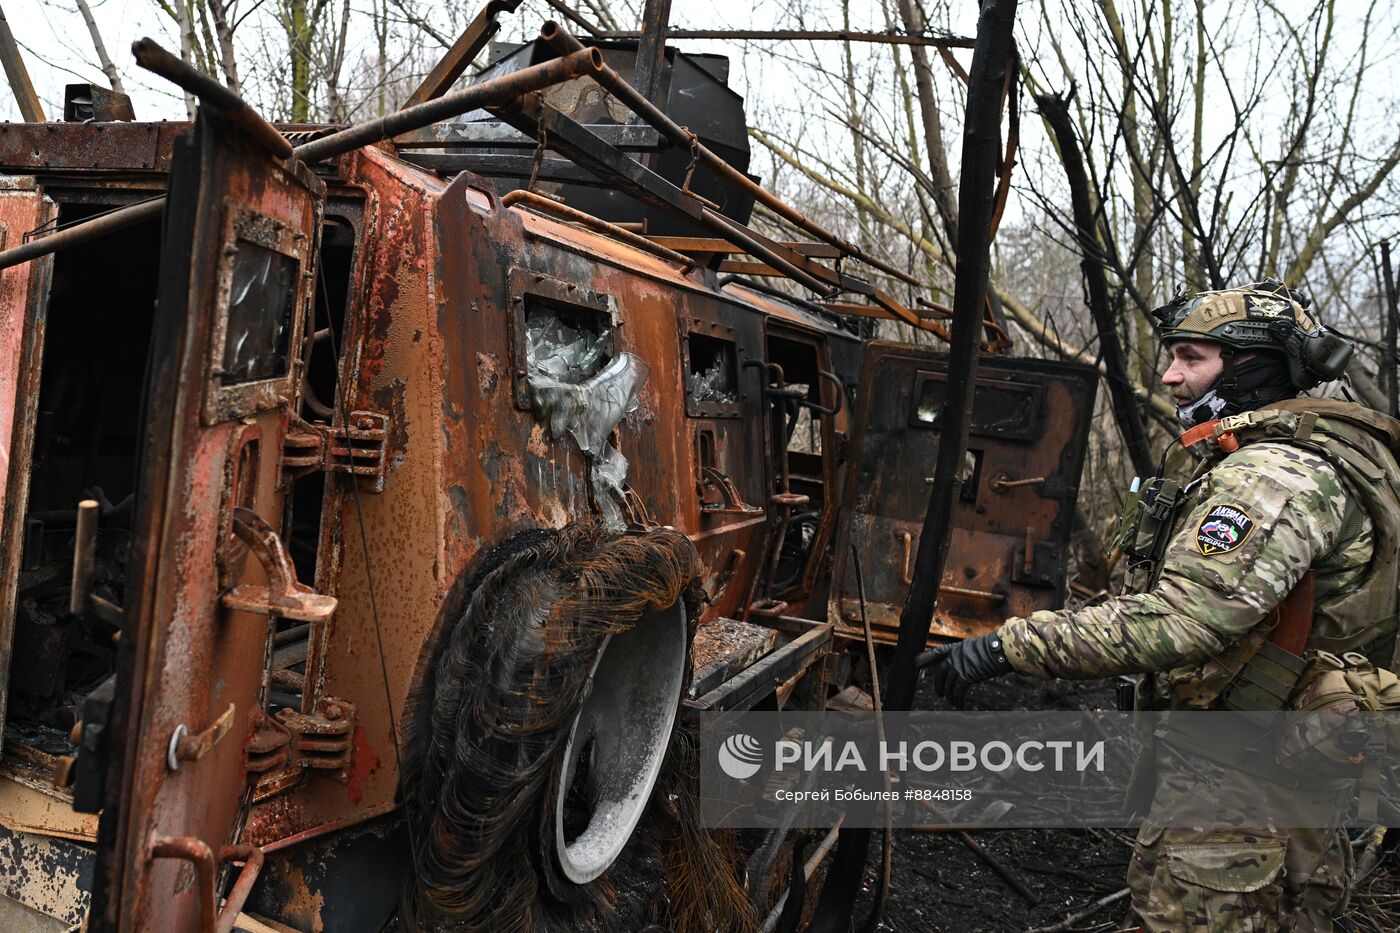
column 1289, row 529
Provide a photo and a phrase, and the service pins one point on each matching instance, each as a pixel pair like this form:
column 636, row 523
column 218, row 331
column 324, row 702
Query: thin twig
column 1087, row 912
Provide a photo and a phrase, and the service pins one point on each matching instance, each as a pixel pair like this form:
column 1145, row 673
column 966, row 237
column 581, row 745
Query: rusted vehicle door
column 23, row 291
column 209, row 575
column 1029, row 430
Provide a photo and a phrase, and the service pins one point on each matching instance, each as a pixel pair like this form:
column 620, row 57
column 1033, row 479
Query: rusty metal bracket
column 731, row 570
column 636, row 508
column 197, row 851
column 360, row 449
column 283, row 749
column 186, row 747
column 322, row 739
column 284, row 595
column 733, row 503
column 1003, row 483
column 268, row 748
column 541, row 144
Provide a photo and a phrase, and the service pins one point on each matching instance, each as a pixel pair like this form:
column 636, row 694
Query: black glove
column 959, row 665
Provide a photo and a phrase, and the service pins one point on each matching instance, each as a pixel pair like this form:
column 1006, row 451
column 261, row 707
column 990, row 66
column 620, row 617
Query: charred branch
column 1055, row 110
column 18, row 75
column 936, row 40
column 980, row 152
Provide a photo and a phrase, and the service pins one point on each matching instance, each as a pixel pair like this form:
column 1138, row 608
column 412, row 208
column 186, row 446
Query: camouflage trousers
column 1293, row 880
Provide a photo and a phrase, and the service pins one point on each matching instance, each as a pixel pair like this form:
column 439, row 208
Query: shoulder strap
column 1270, row 672
column 1294, row 622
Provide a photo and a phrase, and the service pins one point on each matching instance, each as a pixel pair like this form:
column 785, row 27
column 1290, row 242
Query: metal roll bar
column 565, row 43
column 151, row 55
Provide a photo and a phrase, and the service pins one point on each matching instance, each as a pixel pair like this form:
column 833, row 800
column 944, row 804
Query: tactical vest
column 1360, row 444
column 1325, row 672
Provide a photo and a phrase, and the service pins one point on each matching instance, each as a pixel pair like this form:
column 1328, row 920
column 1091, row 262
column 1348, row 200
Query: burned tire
column 536, row 734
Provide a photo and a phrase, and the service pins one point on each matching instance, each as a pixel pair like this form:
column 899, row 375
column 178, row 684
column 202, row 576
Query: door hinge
column 286, row 746
column 359, row 449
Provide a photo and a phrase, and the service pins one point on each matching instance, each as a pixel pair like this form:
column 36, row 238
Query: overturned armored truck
column 379, row 502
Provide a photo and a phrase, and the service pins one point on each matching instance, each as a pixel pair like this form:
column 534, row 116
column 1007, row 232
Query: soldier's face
column 1196, row 364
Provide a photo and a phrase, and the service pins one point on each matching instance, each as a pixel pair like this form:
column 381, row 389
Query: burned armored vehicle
column 379, row 502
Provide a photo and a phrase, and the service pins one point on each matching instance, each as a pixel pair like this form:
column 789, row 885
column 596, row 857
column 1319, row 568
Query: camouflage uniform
column 1252, row 523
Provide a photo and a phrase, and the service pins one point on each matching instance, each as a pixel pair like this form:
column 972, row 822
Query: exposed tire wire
column 488, row 725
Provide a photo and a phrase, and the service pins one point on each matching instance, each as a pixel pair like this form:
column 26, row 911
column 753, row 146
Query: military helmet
column 1266, row 316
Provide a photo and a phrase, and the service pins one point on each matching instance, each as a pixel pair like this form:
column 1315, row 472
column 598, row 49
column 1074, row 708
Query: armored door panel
column 23, row 294
column 209, row 576
column 1011, row 528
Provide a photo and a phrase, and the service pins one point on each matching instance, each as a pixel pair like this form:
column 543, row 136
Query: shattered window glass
column 566, row 344
column 998, row 409
column 579, row 388
column 713, row 370
column 261, row 301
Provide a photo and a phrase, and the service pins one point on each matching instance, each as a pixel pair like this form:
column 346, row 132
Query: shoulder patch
column 1224, row 529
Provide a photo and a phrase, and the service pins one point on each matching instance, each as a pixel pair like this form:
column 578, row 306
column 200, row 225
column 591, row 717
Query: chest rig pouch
column 1149, row 519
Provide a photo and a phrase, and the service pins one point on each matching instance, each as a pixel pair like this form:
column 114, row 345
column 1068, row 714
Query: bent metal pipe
column 491, row 93
column 565, row 43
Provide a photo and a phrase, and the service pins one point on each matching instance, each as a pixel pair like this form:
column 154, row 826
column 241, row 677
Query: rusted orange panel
column 433, row 347
column 397, row 354
column 1028, row 430
column 93, row 148
column 23, row 207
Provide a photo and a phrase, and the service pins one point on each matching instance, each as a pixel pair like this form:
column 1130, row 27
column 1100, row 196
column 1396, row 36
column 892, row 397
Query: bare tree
column 110, row 70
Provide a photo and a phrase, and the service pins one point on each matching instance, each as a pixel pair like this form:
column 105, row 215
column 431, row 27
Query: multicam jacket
column 1315, row 485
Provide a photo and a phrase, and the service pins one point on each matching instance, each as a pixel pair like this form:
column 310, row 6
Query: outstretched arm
column 1268, row 512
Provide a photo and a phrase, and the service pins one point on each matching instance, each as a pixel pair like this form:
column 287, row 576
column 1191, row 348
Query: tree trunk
column 228, row 63
column 109, row 69
column 943, row 196
column 300, row 33
column 182, row 8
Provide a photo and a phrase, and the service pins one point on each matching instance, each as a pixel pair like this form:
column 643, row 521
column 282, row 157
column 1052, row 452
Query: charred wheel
column 542, row 723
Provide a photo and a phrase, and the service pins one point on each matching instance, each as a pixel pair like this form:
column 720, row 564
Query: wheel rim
column 618, row 740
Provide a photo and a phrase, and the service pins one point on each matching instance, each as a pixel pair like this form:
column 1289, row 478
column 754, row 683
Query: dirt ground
column 940, row 884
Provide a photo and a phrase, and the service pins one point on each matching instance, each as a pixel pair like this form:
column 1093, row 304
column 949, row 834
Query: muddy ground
column 940, row 884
